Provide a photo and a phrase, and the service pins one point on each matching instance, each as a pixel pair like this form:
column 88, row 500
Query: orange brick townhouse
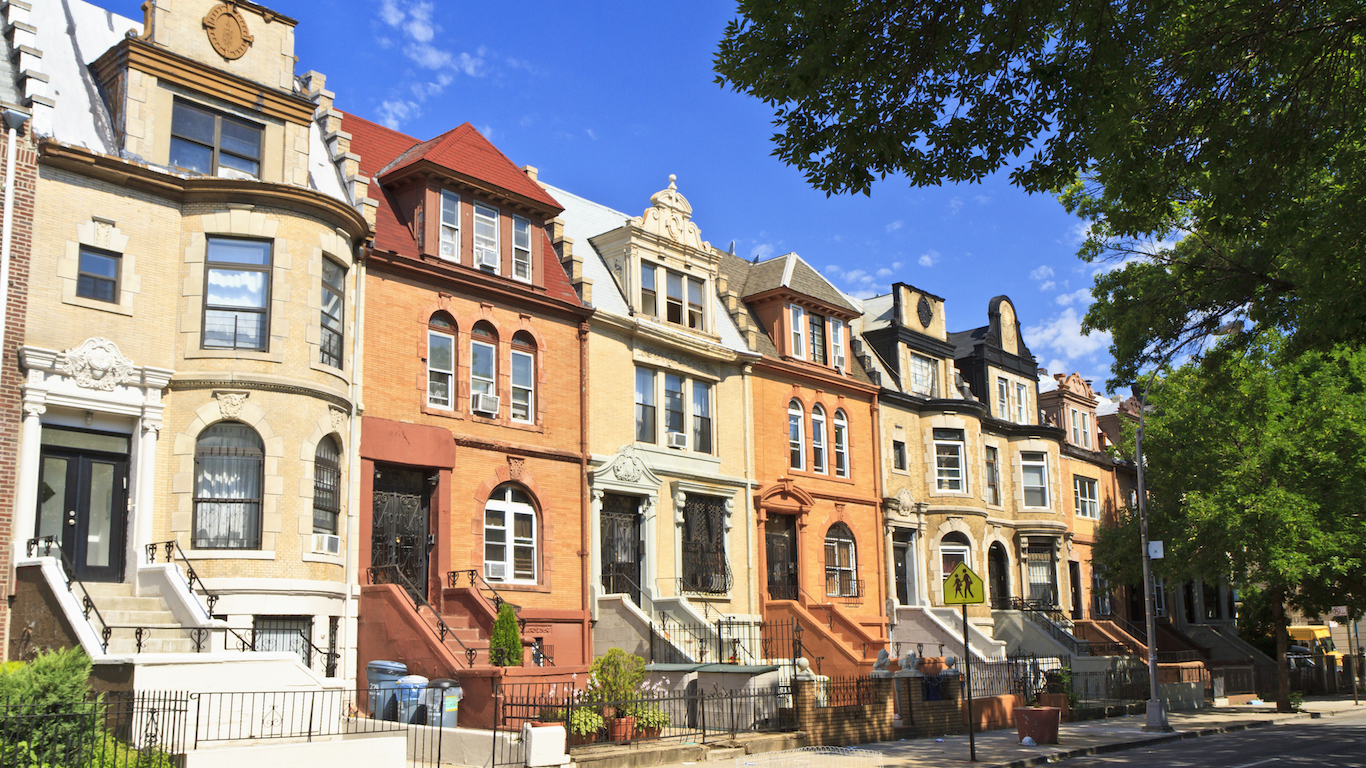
column 472, row 440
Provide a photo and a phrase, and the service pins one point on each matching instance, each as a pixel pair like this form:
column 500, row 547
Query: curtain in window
column 228, row 462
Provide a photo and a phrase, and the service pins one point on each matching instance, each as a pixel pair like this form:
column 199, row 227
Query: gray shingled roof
column 792, row 272
column 964, row 341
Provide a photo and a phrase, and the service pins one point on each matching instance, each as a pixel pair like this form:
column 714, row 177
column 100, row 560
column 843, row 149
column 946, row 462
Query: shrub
column 505, row 647
column 617, row 676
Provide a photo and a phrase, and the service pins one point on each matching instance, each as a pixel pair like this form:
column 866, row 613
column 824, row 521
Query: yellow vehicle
column 1317, row 638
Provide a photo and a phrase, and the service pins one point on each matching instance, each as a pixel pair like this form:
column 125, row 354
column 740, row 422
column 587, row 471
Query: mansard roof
column 466, row 152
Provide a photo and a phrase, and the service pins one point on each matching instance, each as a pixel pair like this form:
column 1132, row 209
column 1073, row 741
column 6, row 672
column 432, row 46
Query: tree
column 505, row 646
column 1255, row 458
column 1237, row 125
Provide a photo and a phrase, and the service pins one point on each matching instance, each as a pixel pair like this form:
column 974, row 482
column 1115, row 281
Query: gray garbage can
column 410, row 688
column 381, row 679
column 442, row 698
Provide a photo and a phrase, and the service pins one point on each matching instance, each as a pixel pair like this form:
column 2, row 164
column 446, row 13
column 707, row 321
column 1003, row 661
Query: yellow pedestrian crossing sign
column 963, row 587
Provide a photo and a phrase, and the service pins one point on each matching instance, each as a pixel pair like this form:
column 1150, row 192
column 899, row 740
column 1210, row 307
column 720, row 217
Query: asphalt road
column 1331, row 742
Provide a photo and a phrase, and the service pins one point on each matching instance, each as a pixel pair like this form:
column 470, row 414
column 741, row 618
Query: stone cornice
column 179, row 384
column 478, row 285
column 816, row 378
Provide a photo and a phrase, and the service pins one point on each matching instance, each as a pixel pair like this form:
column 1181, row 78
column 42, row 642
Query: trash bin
column 410, row 688
column 442, row 698
column 381, row 678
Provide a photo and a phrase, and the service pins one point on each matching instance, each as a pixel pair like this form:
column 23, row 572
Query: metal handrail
column 1039, row 613
column 418, row 603
column 173, row 551
column 1135, row 631
column 453, row 579
column 69, row 572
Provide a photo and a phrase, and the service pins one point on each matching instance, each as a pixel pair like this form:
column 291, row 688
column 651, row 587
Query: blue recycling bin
column 381, row 679
column 410, row 689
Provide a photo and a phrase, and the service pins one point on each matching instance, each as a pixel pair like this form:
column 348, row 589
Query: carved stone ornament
column 516, row 466
column 227, row 31
column 671, row 216
column 627, row 466
column 230, row 403
column 906, row 501
column 338, row 419
column 925, row 311
column 98, row 364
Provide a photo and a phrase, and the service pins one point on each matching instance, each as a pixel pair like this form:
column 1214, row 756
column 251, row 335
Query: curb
column 1120, row 746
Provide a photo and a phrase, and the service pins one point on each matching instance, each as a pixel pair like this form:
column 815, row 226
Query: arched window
column 228, row 458
column 510, row 535
column 841, row 438
column 796, row 443
column 484, row 370
column 523, row 377
column 817, row 439
column 326, row 486
column 441, row 361
column 841, row 565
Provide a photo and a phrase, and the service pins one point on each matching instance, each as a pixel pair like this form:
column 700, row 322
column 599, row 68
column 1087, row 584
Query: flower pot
column 579, row 739
column 647, row 733
column 1038, row 723
column 621, row 728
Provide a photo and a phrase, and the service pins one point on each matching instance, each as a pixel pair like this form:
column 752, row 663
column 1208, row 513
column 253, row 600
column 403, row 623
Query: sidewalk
column 1001, row 749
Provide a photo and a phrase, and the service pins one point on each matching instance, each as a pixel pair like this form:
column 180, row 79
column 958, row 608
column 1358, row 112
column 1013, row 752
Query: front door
column 83, row 500
column 998, row 572
column 1074, row 576
column 399, row 537
column 903, row 561
column 781, row 536
column 621, row 545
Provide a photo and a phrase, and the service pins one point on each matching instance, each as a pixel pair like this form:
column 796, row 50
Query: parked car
column 1299, row 657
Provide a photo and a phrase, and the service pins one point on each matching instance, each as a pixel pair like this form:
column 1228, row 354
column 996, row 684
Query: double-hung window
column 993, row 479
column 837, row 344
column 333, row 288
column 98, row 276
column 486, row 238
column 701, row 417
column 1076, row 427
column 817, row 325
column 228, row 460
column 923, row 378
column 1021, row 404
column 1084, row 491
column 645, row 405
column 521, row 249
column 673, row 298
column 509, row 536
column 523, row 379
column 696, row 299
column 1085, row 430
column 841, row 438
column 948, row 460
column 899, row 454
column 1034, row 471
column 326, row 486
column 450, row 226
column 841, row 567
column 796, row 433
column 440, row 362
column 214, row 144
column 484, row 372
column 673, row 404
column 797, row 319
column 237, row 293
column 818, row 439
column 1003, row 398
column 647, row 290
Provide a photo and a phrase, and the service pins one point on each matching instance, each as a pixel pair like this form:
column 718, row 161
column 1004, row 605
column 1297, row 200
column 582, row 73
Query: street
column 1339, row 742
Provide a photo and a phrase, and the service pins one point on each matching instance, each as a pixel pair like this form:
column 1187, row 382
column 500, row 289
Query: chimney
column 1058, row 377
column 530, row 171
column 1043, row 372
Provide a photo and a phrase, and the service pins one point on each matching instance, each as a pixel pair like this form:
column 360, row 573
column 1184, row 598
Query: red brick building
column 473, row 438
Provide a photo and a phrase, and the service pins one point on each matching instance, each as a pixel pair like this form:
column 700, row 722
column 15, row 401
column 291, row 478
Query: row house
column 189, row 362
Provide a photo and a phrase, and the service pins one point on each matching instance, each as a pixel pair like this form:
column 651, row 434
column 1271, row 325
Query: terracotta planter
column 647, row 733
column 1038, row 723
column 578, row 740
column 621, row 728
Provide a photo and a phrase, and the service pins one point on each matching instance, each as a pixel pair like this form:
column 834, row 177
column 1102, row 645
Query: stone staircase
column 125, row 612
column 471, row 633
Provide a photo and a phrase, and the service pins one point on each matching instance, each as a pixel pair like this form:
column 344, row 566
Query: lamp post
column 1157, row 714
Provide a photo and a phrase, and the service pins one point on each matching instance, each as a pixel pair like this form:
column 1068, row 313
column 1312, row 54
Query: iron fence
column 1026, row 676
column 847, row 691
column 143, row 729
column 1111, row 687
column 723, row 641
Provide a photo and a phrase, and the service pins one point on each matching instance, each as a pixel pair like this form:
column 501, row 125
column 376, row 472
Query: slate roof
column 792, row 272
column 465, row 151
column 964, row 341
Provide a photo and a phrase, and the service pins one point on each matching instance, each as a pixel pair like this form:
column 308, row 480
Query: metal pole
column 1352, row 678
column 967, row 679
column 1157, row 714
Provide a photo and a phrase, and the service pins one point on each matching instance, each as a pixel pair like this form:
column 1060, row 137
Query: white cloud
column 863, row 293
column 1081, row 231
column 895, row 225
column 591, row 134
column 896, row 265
column 1042, row 272
column 929, row 258
column 1080, row 296
column 1057, row 366
column 956, row 204
column 982, row 199
column 390, row 13
column 413, row 22
column 761, row 251
column 1061, row 334
column 486, row 130
column 1047, row 285
column 884, row 272
column 395, row 113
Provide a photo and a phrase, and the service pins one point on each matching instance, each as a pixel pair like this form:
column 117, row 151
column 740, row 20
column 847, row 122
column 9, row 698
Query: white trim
column 530, row 268
column 797, row 317
column 530, row 390
column 482, row 215
column 795, row 408
column 450, row 384
column 442, row 227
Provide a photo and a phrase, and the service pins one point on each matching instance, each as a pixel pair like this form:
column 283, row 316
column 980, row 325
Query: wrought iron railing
column 1047, row 617
column 118, row 728
column 392, row 574
column 843, row 585
column 46, row 544
column 475, row 580
column 174, row 554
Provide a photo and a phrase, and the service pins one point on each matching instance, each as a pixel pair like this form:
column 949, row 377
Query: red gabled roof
column 462, row 150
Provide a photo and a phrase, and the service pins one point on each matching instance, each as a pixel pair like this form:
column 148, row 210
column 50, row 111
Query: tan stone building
column 190, row 362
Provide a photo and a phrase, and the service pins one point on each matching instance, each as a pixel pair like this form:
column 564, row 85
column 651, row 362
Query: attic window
column 214, row 144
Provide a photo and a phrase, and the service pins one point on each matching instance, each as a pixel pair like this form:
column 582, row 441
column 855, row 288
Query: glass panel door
column 83, row 504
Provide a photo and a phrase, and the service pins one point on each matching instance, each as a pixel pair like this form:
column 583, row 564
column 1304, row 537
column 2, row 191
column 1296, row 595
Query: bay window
column 237, row 293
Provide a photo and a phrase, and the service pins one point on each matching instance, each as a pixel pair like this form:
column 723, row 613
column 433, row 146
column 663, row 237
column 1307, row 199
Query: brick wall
column 846, row 725
column 921, row 718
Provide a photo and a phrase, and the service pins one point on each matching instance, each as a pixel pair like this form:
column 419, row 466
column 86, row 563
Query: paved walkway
column 1001, row 749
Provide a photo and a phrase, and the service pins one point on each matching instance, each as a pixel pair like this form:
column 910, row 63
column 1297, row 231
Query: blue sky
column 609, row 98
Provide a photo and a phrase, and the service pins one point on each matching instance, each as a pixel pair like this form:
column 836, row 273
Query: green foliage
column 1296, row 700
column 112, row 753
column 584, row 721
column 52, row 677
column 649, row 716
column 47, row 707
column 617, row 676
column 505, row 647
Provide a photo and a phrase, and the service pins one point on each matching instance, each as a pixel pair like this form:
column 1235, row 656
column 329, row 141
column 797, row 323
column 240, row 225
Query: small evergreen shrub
column 505, row 647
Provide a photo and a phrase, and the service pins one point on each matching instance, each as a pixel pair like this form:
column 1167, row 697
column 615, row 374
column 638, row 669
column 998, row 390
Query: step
column 138, row 618
column 108, row 603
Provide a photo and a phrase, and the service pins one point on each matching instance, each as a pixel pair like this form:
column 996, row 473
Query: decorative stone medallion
column 227, row 31
column 98, row 364
column 925, row 311
column 230, row 404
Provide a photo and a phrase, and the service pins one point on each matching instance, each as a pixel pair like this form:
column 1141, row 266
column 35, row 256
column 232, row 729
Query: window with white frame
column 841, row 438
column 837, row 344
column 923, row 378
column 1088, row 502
column 1034, row 471
column 333, row 287
column 648, row 295
column 645, row 405
column 237, row 293
column 1021, row 404
column 1003, row 397
column 796, row 443
column 841, row 565
column 797, row 319
column 954, row 548
column 1076, row 427
column 993, row 478
column 701, row 417
column 1085, row 430
column 673, row 297
column 484, row 371
column 818, row 439
column 521, row 248
column 228, row 460
column 696, row 303
column 673, row 404
column 816, row 324
column 688, row 411
column 440, row 361
column 486, row 238
column 450, row 226
column 948, row 460
column 523, row 377
column 509, row 536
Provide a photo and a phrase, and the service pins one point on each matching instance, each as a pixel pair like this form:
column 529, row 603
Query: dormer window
column 923, row 378
column 684, row 296
column 647, row 290
column 837, row 343
column 798, row 319
column 817, row 324
column 214, row 144
column 450, row 226
column 521, row 248
column 486, row 238
column 695, row 293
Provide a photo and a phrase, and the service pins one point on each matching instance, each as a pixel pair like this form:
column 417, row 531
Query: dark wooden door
column 781, row 539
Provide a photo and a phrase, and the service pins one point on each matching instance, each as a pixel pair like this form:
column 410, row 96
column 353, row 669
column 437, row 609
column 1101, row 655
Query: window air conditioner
column 495, row 571
column 326, row 544
column 678, row 440
column 485, row 403
column 486, row 258
column 839, row 362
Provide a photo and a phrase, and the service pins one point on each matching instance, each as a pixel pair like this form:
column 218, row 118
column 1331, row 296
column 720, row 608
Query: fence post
column 702, row 712
column 732, row 714
column 720, row 645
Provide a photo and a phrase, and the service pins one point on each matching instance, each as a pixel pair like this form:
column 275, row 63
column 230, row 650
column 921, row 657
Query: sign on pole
column 1339, row 611
column 1155, row 550
column 963, row 587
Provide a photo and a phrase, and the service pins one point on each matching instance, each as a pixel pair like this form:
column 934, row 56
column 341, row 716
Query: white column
column 26, row 485
column 146, row 489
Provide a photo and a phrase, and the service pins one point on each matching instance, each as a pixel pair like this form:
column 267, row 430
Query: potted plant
column 584, row 725
column 616, row 679
column 650, row 720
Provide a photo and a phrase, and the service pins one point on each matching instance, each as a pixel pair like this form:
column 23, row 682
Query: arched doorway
column 998, row 575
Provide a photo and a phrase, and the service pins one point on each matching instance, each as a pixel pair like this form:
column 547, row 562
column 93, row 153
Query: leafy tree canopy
column 1236, row 125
